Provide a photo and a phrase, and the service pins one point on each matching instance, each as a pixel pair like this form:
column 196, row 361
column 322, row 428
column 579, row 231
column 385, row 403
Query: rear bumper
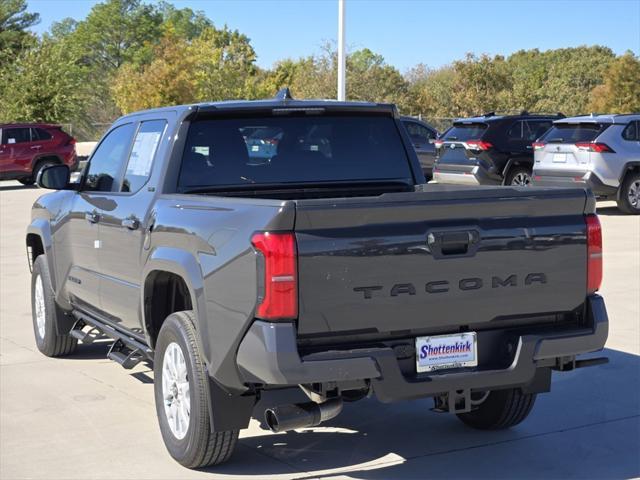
column 579, row 179
column 469, row 176
column 268, row 355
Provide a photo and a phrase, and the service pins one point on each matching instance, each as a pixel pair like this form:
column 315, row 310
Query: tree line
column 127, row 55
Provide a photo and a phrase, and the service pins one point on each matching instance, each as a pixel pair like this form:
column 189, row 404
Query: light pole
column 342, row 63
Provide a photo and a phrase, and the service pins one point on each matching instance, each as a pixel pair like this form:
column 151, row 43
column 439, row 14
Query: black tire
column 27, row 180
column 518, row 174
column 48, row 341
column 200, row 446
column 501, row 409
column 630, row 185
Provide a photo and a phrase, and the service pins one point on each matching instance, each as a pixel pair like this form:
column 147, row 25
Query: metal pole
column 342, row 63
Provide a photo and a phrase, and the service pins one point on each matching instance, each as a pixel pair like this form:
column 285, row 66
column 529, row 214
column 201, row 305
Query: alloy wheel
column 521, row 179
column 175, row 390
column 40, row 307
column 634, row 194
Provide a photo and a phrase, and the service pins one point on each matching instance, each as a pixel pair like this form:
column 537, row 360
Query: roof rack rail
column 521, row 112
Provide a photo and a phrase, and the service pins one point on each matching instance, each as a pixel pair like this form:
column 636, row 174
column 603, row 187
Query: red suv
column 25, row 149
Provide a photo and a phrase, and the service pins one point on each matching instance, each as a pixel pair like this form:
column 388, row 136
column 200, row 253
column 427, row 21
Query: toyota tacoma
column 327, row 266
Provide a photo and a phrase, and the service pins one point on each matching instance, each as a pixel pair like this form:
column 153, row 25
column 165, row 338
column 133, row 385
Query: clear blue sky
column 407, row 32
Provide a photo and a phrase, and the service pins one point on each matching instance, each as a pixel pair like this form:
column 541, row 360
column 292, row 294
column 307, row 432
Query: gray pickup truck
column 320, row 263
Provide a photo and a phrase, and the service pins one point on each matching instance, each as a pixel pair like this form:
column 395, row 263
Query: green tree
column 45, row 84
column 217, row 65
column 184, row 22
column 480, row 84
column 117, row 31
column 620, row 92
column 430, row 91
column 14, row 22
column 372, row 79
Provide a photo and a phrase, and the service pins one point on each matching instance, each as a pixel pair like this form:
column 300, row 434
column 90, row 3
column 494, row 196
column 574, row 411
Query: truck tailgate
column 440, row 258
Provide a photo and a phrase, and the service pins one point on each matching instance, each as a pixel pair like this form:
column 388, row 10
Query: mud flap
column 226, row 411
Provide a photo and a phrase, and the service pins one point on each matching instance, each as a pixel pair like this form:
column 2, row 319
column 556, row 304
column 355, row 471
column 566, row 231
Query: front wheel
column 45, row 314
column 182, row 397
column 27, row 180
column 629, row 195
column 500, row 409
column 519, row 176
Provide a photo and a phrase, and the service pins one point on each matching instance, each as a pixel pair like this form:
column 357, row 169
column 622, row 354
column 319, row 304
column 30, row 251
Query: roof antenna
column 283, row 95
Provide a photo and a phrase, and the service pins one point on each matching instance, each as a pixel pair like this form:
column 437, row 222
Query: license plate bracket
column 439, row 352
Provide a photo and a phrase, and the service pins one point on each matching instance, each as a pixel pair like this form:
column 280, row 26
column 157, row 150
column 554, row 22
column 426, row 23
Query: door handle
column 132, row 223
column 92, row 217
column 529, row 147
column 36, row 147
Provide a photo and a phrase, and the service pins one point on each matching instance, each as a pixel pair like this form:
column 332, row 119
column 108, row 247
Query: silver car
column 601, row 152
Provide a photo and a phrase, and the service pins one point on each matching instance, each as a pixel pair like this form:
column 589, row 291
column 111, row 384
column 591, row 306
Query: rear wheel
column 45, row 314
column 182, row 397
column 519, row 176
column 629, row 195
column 500, row 409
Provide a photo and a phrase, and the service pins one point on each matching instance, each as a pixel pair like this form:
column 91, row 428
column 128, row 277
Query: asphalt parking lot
column 85, row 417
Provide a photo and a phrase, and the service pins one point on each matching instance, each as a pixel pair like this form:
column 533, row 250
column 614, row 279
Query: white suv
column 601, row 152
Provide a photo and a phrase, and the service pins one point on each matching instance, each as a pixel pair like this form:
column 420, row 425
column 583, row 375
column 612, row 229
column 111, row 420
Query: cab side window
column 40, row 134
column 631, row 132
column 107, row 162
column 537, row 128
column 418, row 133
column 516, row 131
column 15, row 135
column 142, row 154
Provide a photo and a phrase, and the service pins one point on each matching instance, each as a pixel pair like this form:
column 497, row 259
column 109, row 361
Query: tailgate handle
column 453, row 243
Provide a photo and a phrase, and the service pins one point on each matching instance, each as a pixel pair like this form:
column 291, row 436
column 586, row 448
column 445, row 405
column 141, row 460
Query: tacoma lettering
column 464, row 284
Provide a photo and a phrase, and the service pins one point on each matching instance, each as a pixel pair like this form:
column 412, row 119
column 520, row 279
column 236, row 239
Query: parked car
column 333, row 272
column 490, row 150
column 26, row 149
column 422, row 136
column 601, row 152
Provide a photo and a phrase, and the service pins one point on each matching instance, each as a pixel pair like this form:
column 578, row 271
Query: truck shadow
column 7, row 187
column 587, row 427
column 610, row 211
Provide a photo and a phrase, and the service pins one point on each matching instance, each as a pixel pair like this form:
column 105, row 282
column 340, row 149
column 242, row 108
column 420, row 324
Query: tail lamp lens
column 279, row 299
column 478, row 145
column 594, row 147
column 594, row 254
column 538, row 145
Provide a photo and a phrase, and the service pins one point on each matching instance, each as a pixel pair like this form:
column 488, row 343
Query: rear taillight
column 594, row 147
column 478, row 145
column 279, row 294
column 538, row 145
column 594, row 254
column 438, row 143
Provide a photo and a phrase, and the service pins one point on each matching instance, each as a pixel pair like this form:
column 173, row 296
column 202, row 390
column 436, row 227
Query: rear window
column 461, row 132
column 294, row 150
column 574, row 132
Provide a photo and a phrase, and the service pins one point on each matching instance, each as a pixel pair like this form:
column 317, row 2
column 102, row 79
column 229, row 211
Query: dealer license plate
column 560, row 158
column 440, row 352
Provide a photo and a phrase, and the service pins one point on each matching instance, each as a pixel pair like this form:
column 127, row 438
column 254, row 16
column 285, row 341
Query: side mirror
column 55, row 177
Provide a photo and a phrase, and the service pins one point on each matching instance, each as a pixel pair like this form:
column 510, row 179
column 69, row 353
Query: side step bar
column 125, row 350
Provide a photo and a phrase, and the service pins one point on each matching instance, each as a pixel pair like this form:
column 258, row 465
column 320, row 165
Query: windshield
column 461, row 132
column 573, row 132
column 293, row 150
